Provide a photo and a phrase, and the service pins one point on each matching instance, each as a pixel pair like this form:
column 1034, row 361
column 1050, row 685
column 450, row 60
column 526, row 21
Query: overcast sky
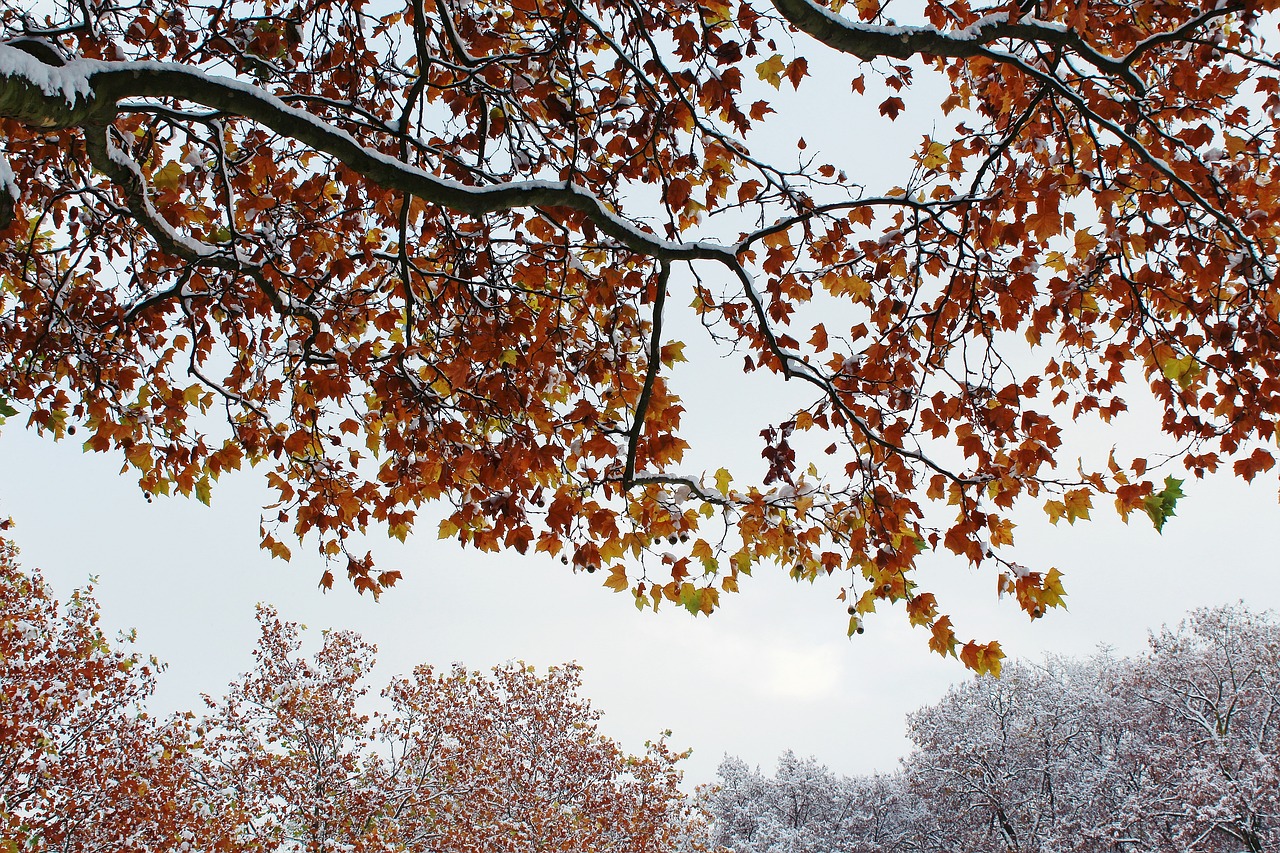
column 772, row 671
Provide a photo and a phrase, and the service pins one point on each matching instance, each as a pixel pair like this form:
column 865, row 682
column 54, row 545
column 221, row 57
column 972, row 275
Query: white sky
column 771, row 671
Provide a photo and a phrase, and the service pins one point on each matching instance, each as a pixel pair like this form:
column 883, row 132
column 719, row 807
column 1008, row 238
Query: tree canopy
column 432, row 253
column 289, row 759
column 1177, row 749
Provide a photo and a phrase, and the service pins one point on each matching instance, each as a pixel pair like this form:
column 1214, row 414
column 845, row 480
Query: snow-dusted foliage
column 287, row 761
column 82, row 767
column 1178, row 749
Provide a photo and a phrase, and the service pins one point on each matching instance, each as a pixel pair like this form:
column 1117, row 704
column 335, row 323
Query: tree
column 1026, row 762
column 803, row 808
column 462, row 761
column 1210, row 694
column 288, row 761
column 1174, row 750
column 513, row 761
column 424, row 254
column 82, row 766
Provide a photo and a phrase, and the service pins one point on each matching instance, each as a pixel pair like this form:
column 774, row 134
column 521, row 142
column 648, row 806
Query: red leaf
column 891, row 107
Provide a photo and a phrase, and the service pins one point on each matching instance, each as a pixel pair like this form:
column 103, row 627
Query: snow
column 8, row 183
column 70, row 82
column 975, row 29
column 125, row 161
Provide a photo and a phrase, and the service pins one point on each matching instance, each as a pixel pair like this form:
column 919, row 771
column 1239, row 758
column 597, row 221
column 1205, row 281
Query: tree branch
column 85, row 91
column 870, row 41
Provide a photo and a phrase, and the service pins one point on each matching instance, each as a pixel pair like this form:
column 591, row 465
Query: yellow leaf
column 934, row 155
column 1085, row 243
column 169, row 177
column 723, row 480
column 1055, row 509
column 617, row 580
column 1078, row 503
column 770, row 71
column 1053, row 592
column 1181, row 370
column 673, row 353
column 611, row 550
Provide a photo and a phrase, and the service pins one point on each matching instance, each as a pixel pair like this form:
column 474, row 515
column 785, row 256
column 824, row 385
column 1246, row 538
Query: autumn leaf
column 673, row 353
column 771, row 70
column 891, row 107
column 1161, row 505
column 678, row 191
column 401, row 290
column 617, row 580
column 796, row 70
column 1084, row 243
column 168, row 177
column 1260, row 460
column 934, row 154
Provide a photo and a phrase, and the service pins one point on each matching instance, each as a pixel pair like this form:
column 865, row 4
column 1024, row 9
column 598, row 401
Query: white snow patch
column 69, row 82
column 8, row 183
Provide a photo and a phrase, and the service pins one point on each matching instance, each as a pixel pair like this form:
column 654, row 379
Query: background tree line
column 289, row 759
column 1176, row 749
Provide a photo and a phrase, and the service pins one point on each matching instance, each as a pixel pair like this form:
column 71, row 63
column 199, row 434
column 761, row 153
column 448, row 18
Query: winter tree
column 82, row 766
column 1174, row 750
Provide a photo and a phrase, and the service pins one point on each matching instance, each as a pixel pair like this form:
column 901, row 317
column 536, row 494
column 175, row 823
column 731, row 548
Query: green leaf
column 6, row 411
column 690, row 599
column 1160, row 506
column 202, row 490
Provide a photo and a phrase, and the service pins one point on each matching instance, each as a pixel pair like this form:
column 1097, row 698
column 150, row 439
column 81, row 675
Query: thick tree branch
column 85, row 91
column 869, row 41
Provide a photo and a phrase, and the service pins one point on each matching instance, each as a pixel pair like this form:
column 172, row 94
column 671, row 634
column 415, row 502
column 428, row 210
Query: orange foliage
column 462, row 761
column 421, row 255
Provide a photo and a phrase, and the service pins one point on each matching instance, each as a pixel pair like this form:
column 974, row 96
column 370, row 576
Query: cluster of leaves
column 462, row 761
column 421, row 254
column 1175, row 750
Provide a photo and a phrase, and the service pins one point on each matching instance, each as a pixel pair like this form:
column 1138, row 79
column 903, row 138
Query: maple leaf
column 1160, row 506
column 771, row 70
column 617, row 580
column 934, row 155
column 797, row 70
column 891, row 107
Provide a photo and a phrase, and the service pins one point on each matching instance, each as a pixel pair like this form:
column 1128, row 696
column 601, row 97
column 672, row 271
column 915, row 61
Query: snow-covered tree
column 1208, row 699
column 1175, row 750
column 82, row 766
